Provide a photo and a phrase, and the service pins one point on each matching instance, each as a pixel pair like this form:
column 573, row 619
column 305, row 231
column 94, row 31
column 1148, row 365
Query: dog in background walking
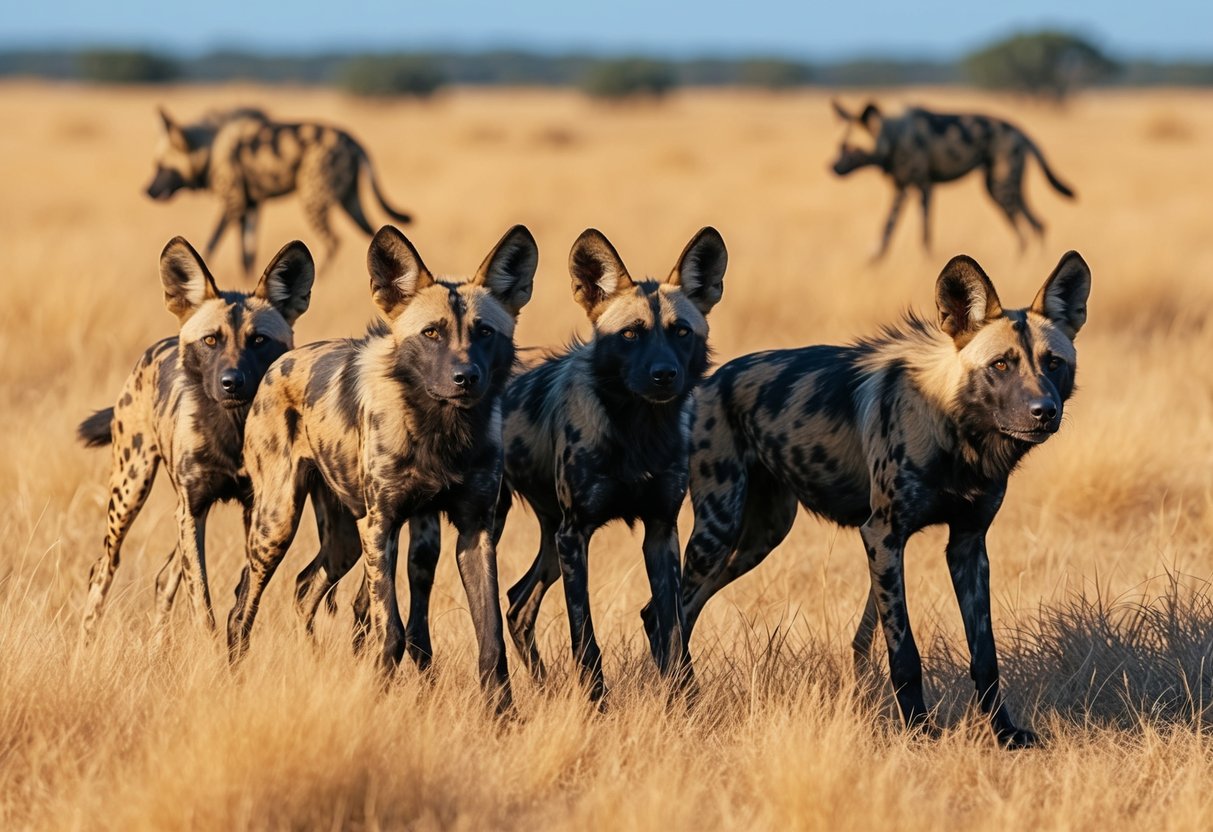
column 919, row 149
column 244, row 158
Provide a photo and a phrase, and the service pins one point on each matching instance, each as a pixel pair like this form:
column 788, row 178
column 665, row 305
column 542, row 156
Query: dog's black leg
column 572, row 543
column 217, row 234
column 970, row 568
column 340, row 549
column 886, row 550
column 925, row 193
column 526, row 596
column 899, row 197
column 425, row 546
column 668, row 635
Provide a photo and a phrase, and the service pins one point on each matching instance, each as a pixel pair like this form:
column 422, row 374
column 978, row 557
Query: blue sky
column 840, row 28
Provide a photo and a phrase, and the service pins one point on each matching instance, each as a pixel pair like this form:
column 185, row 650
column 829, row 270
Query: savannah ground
column 1099, row 559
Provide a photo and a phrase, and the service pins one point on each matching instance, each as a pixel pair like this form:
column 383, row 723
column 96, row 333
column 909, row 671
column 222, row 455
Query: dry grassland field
column 1100, row 558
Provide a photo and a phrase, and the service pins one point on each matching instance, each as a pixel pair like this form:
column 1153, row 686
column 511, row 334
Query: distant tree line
column 1045, row 64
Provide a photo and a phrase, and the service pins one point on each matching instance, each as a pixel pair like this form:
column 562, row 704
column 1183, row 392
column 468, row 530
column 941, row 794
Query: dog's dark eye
column 1052, row 362
column 430, row 332
column 629, row 334
column 259, row 340
column 484, row 331
column 682, row 331
column 210, row 340
column 1001, row 365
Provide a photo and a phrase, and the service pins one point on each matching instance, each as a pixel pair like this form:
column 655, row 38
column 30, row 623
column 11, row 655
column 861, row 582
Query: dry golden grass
column 1099, row 559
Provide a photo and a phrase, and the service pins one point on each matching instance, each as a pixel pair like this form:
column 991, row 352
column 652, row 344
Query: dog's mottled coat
column 919, row 426
column 405, row 421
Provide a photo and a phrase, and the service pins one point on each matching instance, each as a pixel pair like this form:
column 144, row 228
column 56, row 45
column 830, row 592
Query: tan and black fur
column 185, row 405
column 919, row 149
column 599, row 433
column 403, row 422
column 244, row 158
column 919, row 426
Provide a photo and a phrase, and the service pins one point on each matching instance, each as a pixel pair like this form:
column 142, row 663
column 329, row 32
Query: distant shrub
column 1045, row 64
column 127, row 66
column 773, row 74
column 386, row 75
column 629, row 77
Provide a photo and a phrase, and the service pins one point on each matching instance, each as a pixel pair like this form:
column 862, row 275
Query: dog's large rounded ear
column 397, row 273
column 509, row 269
column 965, row 298
column 872, row 119
column 176, row 135
column 287, row 281
column 186, row 280
column 598, row 272
column 1063, row 297
column 700, row 269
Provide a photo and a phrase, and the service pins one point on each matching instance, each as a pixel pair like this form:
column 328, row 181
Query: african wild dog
column 244, row 158
column 920, row 148
column 405, row 421
column 185, row 404
column 599, row 433
column 919, row 426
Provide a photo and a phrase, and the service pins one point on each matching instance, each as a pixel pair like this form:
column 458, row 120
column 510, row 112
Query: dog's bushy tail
column 98, row 429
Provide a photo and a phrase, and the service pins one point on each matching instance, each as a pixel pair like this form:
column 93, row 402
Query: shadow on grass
column 1118, row 661
column 1089, row 660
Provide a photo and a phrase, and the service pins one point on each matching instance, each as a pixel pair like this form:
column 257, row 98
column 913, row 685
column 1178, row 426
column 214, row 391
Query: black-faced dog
column 185, row 404
column 599, row 433
column 405, row 420
column 919, row 426
column 244, row 158
column 920, row 148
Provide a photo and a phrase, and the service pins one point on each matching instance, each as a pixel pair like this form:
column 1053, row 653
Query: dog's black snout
column 664, row 375
column 467, row 377
column 232, row 381
column 1043, row 410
